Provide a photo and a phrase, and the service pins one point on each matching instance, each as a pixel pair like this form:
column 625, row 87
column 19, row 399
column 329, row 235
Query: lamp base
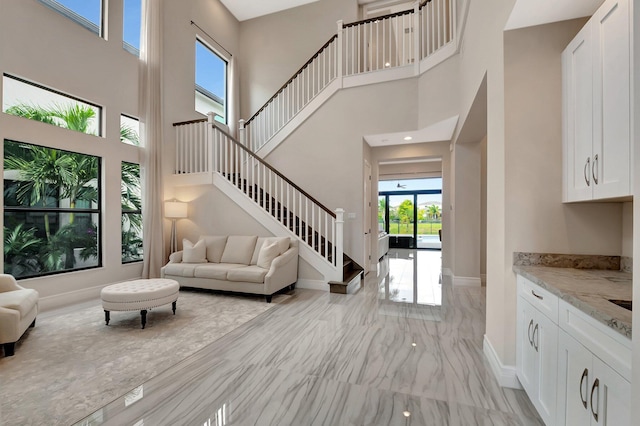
column 174, row 240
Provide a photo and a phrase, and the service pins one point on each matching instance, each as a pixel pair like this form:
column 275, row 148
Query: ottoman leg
column 173, row 306
column 143, row 316
column 107, row 317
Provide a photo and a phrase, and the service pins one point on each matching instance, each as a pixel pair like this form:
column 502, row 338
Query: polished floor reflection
column 404, row 350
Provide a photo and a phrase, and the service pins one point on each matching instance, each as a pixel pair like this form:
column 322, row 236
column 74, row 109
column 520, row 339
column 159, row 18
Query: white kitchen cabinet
column 590, row 392
column 597, row 107
column 537, row 347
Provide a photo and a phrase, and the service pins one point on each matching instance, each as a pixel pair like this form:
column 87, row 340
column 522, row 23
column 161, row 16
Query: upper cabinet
column 596, row 97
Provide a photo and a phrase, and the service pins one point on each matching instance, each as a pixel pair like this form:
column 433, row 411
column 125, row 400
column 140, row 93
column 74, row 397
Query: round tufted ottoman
column 139, row 295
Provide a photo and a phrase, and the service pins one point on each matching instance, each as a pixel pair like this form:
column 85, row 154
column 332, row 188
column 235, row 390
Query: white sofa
column 238, row 263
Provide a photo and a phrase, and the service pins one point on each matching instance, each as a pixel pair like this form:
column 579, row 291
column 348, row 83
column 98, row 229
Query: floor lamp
column 174, row 210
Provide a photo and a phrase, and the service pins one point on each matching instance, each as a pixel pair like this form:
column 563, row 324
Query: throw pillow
column 194, row 253
column 268, row 252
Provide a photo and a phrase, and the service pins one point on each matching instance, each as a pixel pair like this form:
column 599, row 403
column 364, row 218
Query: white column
column 339, row 243
column 339, row 58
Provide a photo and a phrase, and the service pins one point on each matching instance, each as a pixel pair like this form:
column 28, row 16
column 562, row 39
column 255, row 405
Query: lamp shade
column 175, row 209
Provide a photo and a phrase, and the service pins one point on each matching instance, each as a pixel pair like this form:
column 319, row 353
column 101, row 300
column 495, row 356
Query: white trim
column 447, row 272
column 307, row 111
column 62, row 300
column 483, row 279
column 312, row 284
column 504, row 374
column 466, row 281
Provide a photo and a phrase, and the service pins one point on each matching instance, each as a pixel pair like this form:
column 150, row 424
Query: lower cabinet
column 571, row 366
column 589, row 391
column 537, row 359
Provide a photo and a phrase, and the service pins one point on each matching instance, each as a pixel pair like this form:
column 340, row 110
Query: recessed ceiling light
column 406, row 413
column 407, row 138
column 414, row 344
column 387, row 64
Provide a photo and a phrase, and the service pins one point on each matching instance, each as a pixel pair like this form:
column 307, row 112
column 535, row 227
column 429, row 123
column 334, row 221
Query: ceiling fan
column 401, row 186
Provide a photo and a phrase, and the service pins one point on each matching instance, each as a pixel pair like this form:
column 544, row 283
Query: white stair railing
column 375, row 44
column 202, row 147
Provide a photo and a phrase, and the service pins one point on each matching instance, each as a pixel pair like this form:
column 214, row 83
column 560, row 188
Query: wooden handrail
column 324, row 46
column 424, row 3
column 183, row 123
column 379, row 18
column 270, row 167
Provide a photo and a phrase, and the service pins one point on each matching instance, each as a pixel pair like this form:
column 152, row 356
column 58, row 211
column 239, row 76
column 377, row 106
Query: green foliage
column 21, row 251
column 405, row 212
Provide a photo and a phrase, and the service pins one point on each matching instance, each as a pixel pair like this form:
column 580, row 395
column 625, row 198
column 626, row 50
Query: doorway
column 410, row 212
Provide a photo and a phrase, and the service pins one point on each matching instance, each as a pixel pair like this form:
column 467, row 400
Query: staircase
column 353, row 275
column 206, row 153
column 395, row 46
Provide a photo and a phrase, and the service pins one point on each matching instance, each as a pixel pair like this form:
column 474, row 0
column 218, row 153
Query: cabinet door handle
column 535, row 341
column 596, row 385
column 586, row 171
column 537, row 295
column 529, row 332
column 594, row 169
column 585, row 375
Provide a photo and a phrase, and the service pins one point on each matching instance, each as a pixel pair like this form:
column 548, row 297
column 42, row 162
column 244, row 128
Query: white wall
column 275, row 46
column 38, row 44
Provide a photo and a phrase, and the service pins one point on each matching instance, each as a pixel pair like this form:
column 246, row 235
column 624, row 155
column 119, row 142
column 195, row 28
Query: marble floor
column 404, row 350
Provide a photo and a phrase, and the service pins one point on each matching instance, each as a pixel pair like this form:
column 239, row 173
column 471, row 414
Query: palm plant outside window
column 131, row 197
column 52, row 210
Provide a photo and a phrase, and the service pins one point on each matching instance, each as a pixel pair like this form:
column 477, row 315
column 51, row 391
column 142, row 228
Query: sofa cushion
column 216, row 271
column 268, row 252
column 19, row 300
column 239, row 249
column 215, row 247
column 180, row 269
column 252, row 274
column 194, row 253
column 283, row 245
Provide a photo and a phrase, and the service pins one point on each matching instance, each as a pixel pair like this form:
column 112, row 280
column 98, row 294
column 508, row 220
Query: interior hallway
column 405, row 350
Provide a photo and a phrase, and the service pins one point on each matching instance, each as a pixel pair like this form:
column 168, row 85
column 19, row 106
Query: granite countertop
column 587, row 290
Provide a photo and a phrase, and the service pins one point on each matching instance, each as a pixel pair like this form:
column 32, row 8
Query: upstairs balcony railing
column 387, row 42
column 203, row 147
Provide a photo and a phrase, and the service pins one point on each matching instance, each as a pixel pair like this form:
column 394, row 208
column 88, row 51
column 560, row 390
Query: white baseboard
column 312, row 284
column 62, row 300
column 504, row 374
column 466, row 281
column 447, row 272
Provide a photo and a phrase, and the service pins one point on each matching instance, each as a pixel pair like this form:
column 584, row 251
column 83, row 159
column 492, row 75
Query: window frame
column 126, row 45
column 98, row 211
column 77, row 18
column 203, row 91
column 131, row 211
column 99, row 115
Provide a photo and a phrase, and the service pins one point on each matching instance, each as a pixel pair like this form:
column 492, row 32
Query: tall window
column 131, row 23
column 87, row 13
column 32, row 101
column 211, row 82
column 51, row 210
column 131, row 200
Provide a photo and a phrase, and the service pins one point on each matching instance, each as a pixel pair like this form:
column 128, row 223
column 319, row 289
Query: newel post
column 210, row 141
column 339, row 243
column 242, row 135
column 339, row 52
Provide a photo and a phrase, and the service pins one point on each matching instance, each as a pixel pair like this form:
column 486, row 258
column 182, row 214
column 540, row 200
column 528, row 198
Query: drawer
column 539, row 298
column 605, row 343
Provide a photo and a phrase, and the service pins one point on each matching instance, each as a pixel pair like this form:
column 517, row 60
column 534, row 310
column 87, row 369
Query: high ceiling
column 248, row 9
column 527, row 13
